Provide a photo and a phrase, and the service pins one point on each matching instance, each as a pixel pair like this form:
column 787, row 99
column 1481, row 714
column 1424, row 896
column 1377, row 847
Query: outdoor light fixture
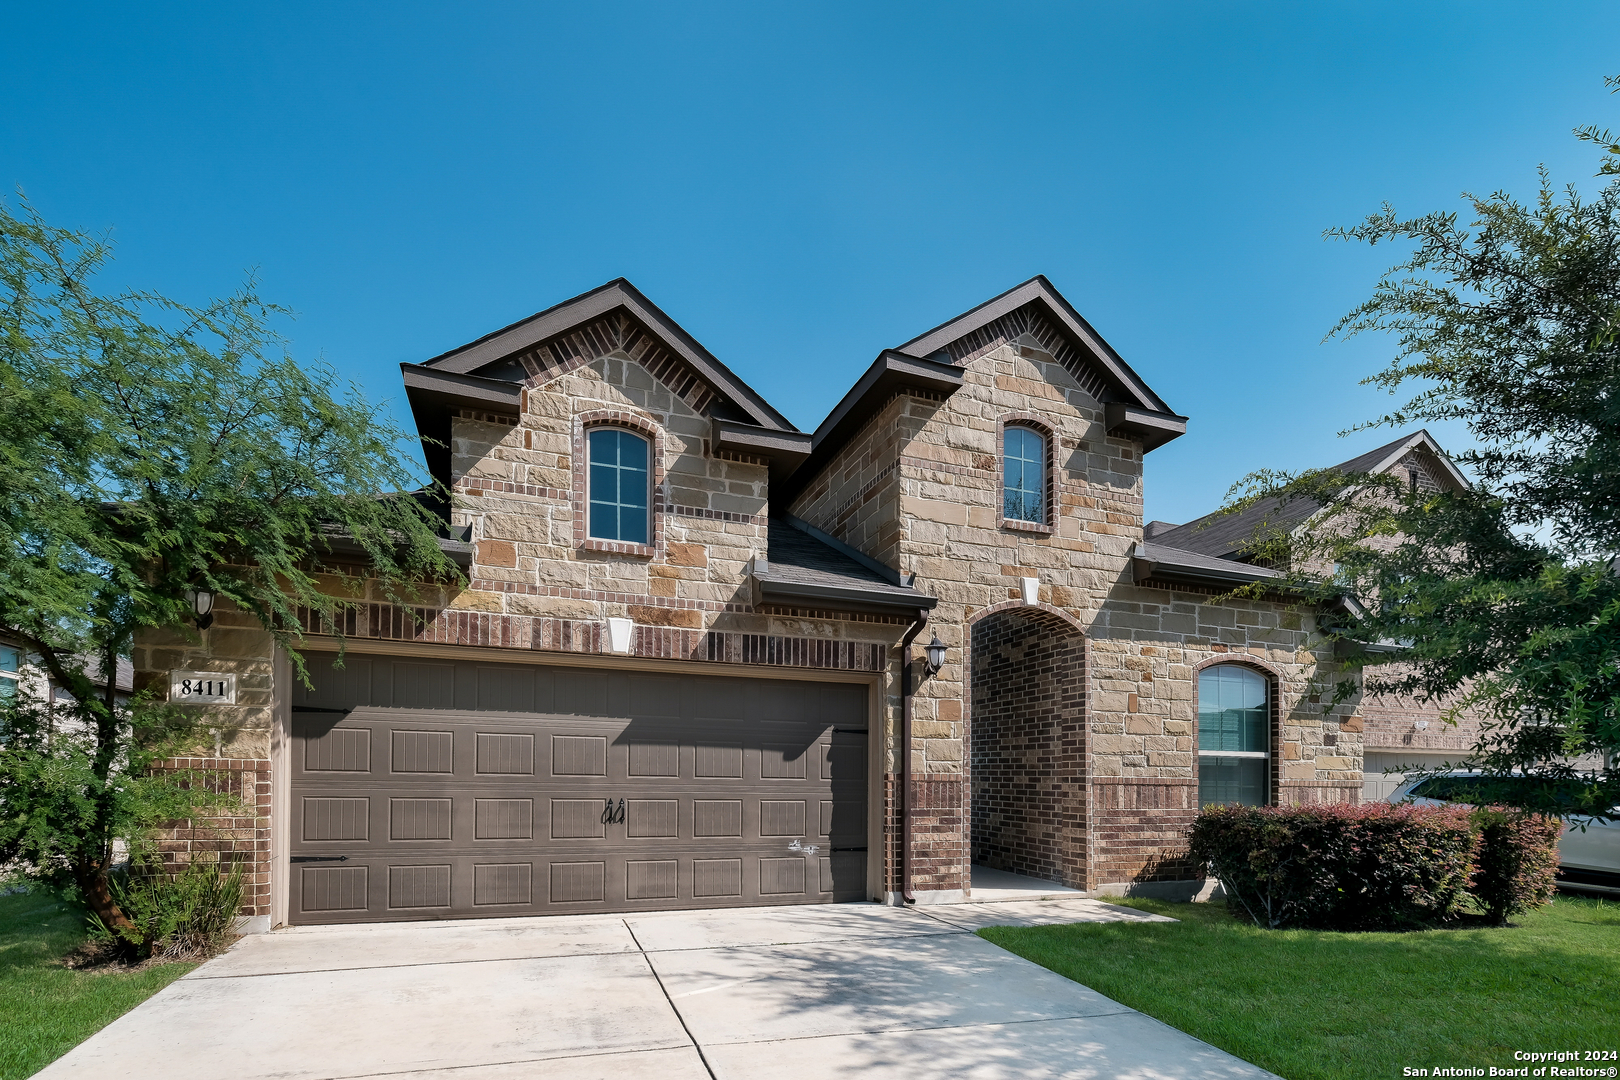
column 202, row 604
column 936, row 655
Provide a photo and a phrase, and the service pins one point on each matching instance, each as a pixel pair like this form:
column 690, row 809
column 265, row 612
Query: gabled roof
column 1221, row 536
column 499, row 355
column 1080, row 349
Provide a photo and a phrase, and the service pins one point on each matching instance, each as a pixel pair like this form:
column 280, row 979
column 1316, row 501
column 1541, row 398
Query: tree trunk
column 98, row 897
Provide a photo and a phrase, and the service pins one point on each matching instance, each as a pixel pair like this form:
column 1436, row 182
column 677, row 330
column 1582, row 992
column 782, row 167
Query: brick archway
column 1027, row 741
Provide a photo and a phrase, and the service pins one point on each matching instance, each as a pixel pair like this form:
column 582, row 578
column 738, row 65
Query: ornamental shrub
column 189, row 915
column 1339, row 867
column 1517, row 862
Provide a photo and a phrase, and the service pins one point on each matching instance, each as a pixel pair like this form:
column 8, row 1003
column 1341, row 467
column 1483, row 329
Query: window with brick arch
column 1234, row 736
column 619, row 485
column 1023, row 475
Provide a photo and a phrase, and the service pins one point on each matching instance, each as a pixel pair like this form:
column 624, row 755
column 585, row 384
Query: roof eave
column 892, row 372
column 1152, row 429
column 841, row 598
column 1039, row 289
column 784, row 450
column 586, row 307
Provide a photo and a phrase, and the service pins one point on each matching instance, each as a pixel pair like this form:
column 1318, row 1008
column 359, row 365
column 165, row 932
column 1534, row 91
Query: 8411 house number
column 202, row 687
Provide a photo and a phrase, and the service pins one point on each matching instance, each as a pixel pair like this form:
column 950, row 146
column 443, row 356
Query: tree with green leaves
column 1504, row 598
column 148, row 448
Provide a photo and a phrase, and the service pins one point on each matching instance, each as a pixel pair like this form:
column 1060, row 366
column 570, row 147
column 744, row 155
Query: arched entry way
column 1028, row 745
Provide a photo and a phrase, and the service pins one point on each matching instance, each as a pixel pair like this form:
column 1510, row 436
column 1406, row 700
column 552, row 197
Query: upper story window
column 620, row 486
column 10, row 671
column 1234, row 736
column 1023, row 474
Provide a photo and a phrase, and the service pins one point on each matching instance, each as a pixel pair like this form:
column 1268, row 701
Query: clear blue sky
column 801, row 186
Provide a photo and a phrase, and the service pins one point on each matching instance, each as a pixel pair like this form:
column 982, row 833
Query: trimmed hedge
column 1518, row 861
column 1375, row 866
column 1339, row 867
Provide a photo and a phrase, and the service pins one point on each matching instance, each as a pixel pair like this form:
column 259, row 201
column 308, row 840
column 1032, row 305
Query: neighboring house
column 674, row 678
column 22, row 669
column 1396, row 735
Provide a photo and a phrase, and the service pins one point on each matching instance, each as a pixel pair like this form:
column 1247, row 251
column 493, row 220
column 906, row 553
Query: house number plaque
column 202, row 688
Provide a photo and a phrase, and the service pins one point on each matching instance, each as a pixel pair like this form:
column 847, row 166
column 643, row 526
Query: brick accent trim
column 1028, row 609
column 1273, row 695
column 1319, row 792
column 616, row 332
column 1048, row 436
column 1141, row 828
column 1029, row 320
column 386, row 622
column 477, row 486
column 499, row 419
column 232, row 840
column 586, row 422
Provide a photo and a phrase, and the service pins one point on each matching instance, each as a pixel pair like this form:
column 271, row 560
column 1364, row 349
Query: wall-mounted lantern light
column 936, row 655
column 202, row 606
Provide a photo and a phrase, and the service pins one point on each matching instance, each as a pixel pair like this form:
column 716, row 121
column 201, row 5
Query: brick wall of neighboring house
column 1028, row 759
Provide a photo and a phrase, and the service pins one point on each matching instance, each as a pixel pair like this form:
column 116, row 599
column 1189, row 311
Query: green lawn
column 1310, row 1005
column 45, row 1008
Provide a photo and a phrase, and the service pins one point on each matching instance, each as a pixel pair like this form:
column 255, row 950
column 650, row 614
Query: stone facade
column 1059, row 739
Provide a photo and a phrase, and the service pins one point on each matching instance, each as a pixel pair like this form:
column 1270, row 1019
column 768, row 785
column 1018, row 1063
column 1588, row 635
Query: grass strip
column 46, row 1008
column 1312, row 1005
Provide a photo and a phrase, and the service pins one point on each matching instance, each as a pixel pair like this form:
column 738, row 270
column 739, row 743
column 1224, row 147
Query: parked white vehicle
column 1588, row 858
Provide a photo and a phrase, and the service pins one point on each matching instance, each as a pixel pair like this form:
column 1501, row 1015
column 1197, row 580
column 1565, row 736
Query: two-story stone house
column 704, row 659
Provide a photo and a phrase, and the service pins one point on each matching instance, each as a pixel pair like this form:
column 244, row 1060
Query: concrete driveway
column 784, row 993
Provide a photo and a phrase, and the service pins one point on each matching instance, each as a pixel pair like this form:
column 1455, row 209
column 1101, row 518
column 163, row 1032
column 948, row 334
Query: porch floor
column 992, row 886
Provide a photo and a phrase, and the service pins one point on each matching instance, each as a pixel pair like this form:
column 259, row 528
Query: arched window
column 1234, row 736
column 620, row 485
column 1023, row 474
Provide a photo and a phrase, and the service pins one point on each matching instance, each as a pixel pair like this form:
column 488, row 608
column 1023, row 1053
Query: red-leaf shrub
column 1518, row 861
column 1340, row 867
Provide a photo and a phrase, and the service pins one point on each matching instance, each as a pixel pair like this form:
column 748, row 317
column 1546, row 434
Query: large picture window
column 1234, row 736
column 619, row 485
column 1023, row 475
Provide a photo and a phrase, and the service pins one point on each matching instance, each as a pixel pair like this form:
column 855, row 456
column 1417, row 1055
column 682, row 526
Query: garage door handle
column 319, row 858
column 848, row 849
column 612, row 816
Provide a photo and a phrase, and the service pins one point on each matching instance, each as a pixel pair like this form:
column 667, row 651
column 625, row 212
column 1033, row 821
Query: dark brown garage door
column 447, row 789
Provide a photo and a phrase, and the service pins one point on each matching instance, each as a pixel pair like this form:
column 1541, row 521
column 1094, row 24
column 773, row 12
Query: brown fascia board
column 878, row 600
column 1039, row 290
column 1192, row 568
column 1153, row 429
column 461, row 391
column 785, row 450
column 589, row 306
column 892, row 372
column 435, row 394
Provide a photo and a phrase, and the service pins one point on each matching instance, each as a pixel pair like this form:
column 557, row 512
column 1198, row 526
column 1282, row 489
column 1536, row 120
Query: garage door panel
column 581, row 693
column 442, row 812
column 504, row 753
column 506, row 688
column 423, row 686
